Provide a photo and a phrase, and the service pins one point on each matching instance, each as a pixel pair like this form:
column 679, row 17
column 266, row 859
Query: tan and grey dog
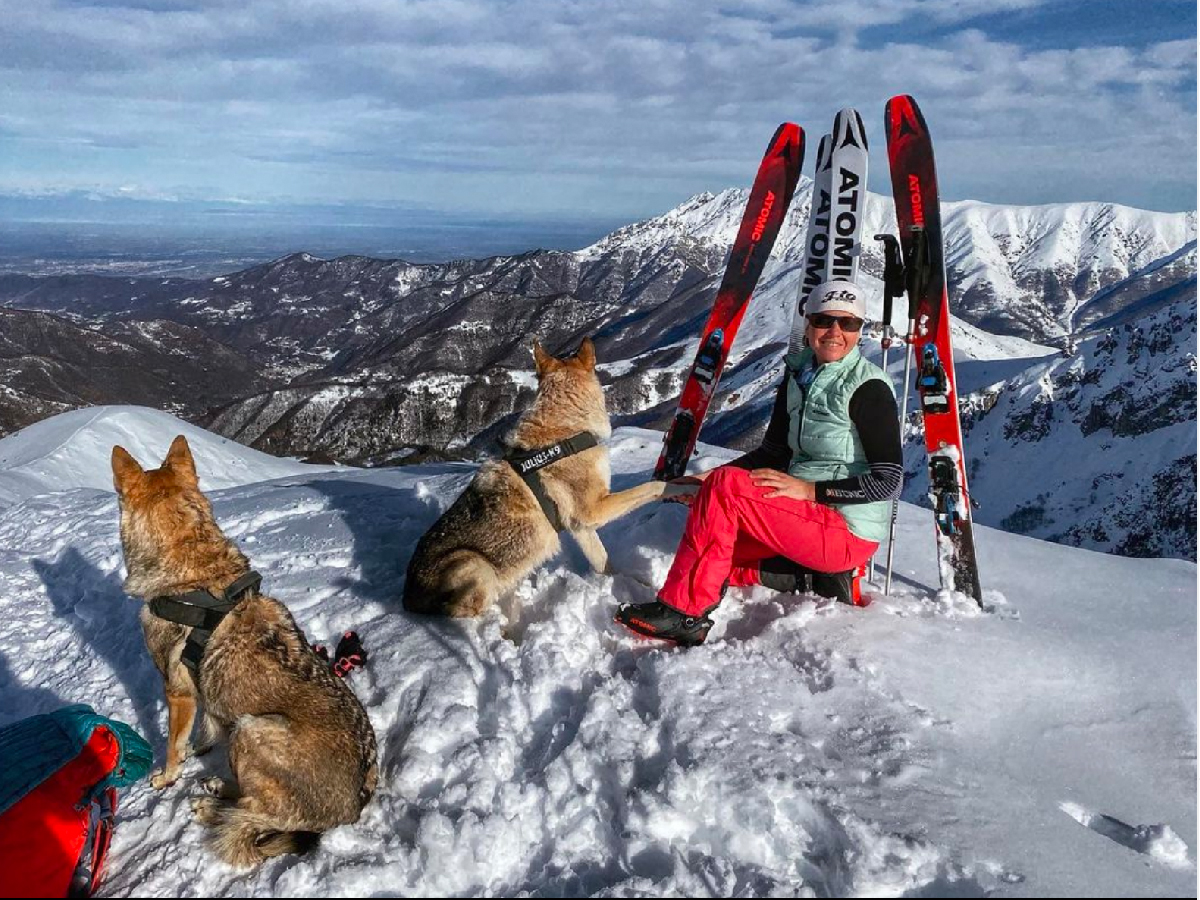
column 300, row 745
column 496, row 532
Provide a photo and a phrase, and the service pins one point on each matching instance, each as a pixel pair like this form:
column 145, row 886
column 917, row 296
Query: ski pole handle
column 893, row 281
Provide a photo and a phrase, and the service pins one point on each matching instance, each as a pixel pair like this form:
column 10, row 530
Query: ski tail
column 770, row 199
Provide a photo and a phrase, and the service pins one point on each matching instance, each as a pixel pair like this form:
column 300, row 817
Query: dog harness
column 527, row 462
column 202, row 611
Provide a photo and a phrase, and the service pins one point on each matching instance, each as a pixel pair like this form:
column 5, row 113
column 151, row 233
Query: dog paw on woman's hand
column 681, row 490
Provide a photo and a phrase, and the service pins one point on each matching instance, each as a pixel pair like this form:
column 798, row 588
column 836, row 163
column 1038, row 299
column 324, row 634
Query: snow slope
column 917, row 747
column 65, row 450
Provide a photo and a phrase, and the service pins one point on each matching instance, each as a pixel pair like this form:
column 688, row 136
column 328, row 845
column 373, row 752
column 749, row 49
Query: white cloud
column 627, row 105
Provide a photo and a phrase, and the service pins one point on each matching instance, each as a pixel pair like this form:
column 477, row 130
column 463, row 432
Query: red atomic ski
column 918, row 214
column 769, row 200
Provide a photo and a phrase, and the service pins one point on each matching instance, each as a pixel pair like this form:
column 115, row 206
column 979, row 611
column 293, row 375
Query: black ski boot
column 657, row 620
column 781, row 574
column 837, row 585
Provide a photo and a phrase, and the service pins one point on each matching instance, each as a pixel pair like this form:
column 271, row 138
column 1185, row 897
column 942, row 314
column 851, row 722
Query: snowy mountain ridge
column 1003, row 262
column 1104, row 441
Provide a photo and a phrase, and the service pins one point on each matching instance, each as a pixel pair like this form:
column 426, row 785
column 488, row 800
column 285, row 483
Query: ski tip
column 902, row 117
column 904, row 106
column 786, row 149
column 788, row 139
column 860, row 127
column 849, row 130
column 825, row 152
column 787, row 131
column 847, row 116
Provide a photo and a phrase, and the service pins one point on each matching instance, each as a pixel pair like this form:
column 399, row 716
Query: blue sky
column 561, row 108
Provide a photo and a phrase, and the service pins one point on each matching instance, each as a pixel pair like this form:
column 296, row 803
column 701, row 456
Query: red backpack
column 59, row 775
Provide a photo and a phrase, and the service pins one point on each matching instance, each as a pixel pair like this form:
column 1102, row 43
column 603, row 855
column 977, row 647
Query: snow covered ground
column 919, row 747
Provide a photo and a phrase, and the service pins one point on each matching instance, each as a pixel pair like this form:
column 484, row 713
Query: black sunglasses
column 846, row 323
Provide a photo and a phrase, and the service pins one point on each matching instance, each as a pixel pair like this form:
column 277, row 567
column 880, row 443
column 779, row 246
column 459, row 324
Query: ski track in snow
column 547, row 753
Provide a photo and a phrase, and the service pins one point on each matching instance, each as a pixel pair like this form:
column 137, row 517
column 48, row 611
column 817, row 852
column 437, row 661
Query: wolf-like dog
column 496, row 532
column 301, row 747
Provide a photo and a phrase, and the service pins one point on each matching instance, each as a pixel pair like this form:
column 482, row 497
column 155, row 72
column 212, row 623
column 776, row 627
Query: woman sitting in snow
column 817, row 491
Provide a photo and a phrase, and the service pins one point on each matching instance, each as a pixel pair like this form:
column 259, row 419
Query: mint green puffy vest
column 824, row 442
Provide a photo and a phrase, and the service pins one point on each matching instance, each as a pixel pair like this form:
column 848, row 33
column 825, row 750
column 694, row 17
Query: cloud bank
column 604, row 108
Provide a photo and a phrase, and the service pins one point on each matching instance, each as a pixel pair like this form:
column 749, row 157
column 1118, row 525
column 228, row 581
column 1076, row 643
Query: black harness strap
column 202, row 611
column 528, row 462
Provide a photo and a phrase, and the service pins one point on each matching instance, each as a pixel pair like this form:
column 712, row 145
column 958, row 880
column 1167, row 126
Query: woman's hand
column 783, row 485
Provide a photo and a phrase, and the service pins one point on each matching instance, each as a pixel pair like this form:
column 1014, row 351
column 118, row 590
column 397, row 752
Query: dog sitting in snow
column 554, row 477
column 300, row 745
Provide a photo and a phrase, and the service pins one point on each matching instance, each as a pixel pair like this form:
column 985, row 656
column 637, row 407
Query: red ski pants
column 733, row 527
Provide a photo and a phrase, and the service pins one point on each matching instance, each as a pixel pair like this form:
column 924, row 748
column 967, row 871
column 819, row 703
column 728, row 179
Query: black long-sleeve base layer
column 874, row 414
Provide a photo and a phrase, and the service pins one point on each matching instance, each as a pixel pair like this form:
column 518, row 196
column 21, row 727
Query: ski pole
column 884, row 344
column 893, row 286
column 912, row 324
column 916, row 278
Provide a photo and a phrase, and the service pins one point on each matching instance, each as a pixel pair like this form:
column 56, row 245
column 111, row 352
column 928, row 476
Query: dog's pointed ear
column 179, row 459
column 586, row 356
column 543, row 362
column 125, row 469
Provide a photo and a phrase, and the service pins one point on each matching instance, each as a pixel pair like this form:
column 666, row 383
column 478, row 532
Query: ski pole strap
column 202, row 611
column 526, row 463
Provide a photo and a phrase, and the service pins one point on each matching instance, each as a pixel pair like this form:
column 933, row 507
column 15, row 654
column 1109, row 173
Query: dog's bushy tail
column 462, row 583
column 243, row 838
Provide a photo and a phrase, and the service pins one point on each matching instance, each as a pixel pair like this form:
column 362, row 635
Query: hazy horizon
column 85, row 232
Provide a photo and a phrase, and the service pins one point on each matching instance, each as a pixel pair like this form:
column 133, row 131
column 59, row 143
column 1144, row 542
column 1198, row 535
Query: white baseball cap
column 837, row 296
